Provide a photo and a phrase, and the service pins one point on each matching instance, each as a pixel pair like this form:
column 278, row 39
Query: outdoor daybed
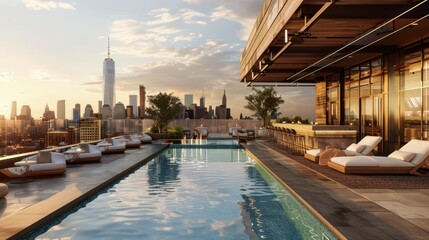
column 363, row 147
column 43, row 163
column 132, row 141
column 409, row 159
column 145, row 139
column 84, row 153
column 109, row 145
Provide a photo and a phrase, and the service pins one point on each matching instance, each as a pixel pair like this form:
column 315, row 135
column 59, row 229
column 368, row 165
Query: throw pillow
column 44, row 157
column 84, row 147
column 356, row 147
column 401, row 155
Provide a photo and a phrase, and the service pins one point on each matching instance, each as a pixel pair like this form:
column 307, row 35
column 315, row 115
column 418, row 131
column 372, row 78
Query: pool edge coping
column 70, row 201
column 297, row 196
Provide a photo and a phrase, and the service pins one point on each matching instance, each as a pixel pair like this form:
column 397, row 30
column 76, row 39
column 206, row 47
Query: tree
column 264, row 103
column 162, row 109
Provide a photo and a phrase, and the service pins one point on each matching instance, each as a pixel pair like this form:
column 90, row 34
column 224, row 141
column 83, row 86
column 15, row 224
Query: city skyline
column 183, row 47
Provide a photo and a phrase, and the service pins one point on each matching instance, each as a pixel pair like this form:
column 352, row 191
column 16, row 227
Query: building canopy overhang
column 296, row 42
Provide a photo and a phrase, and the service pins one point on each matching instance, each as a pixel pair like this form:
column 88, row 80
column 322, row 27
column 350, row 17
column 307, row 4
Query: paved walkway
column 30, row 201
column 356, row 213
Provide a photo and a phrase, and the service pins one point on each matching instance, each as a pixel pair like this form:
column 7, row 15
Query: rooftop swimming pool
column 192, row 193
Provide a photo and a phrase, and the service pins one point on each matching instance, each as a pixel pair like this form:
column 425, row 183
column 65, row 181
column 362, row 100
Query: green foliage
column 264, row 103
column 162, row 109
column 175, row 133
column 295, row 119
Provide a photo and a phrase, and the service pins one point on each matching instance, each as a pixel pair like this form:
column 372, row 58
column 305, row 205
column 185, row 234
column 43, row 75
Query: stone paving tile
column 404, row 210
column 422, row 223
column 348, row 210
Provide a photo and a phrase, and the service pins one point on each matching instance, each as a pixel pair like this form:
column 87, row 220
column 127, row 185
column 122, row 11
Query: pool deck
column 355, row 213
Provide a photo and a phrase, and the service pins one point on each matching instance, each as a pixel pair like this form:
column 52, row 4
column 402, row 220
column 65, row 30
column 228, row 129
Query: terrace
column 358, row 207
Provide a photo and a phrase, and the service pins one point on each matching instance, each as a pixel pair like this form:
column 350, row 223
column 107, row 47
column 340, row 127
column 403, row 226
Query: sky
column 54, row 50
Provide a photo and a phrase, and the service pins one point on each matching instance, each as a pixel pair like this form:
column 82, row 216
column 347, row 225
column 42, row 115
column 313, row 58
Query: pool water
column 198, row 193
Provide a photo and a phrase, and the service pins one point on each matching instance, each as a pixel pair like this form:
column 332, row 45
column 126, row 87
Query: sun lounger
column 84, row 153
column 43, row 163
column 412, row 158
column 363, row 147
column 109, row 145
column 132, row 141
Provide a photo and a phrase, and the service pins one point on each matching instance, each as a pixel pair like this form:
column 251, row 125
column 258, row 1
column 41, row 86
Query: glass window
column 354, row 73
column 376, row 65
column 365, row 70
column 411, row 104
column 426, row 66
column 376, row 85
column 411, row 66
column 354, row 89
column 364, row 88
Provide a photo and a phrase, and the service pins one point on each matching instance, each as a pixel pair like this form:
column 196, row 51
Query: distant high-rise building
column 61, row 109
column 133, row 103
column 13, row 110
column 90, row 129
column 203, row 102
column 224, row 98
column 129, row 112
column 88, row 111
column 25, row 111
column 108, row 79
column 100, row 105
column 76, row 113
column 48, row 114
column 106, row 112
column 189, row 99
column 142, row 102
column 119, row 111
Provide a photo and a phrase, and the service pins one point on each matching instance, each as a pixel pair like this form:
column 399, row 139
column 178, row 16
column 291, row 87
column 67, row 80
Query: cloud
column 191, row 17
column 47, row 5
column 162, row 16
column 223, row 12
column 7, row 76
column 40, row 75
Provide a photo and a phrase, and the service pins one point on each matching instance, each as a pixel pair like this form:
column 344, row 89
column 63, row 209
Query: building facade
column 367, row 62
column 61, row 109
column 142, row 101
column 90, row 129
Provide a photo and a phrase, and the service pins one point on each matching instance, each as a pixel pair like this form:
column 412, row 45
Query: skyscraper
column 203, row 102
column 13, row 110
column 224, row 98
column 61, row 109
column 133, row 103
column 88, row 111
column 76, row 113
column 142, row 107
column 189, row 99
column 119, row 111
column 109, row 79
column 100, row 105
column 26, row 111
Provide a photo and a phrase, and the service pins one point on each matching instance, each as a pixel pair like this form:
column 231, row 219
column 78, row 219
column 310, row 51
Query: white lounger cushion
column 356, row 147
column 366, row 145
column 419, row 147
column 404, row 156
column 314, row 152
column 370, row 161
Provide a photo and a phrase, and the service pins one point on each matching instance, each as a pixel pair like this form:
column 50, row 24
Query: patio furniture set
column 46, row 162
column 358, row 158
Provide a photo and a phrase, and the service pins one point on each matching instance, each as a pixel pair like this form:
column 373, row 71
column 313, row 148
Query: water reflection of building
column 374, row 75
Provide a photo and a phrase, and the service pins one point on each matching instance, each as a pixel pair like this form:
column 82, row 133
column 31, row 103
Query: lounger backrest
column 419, row 147
column 370, row 142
